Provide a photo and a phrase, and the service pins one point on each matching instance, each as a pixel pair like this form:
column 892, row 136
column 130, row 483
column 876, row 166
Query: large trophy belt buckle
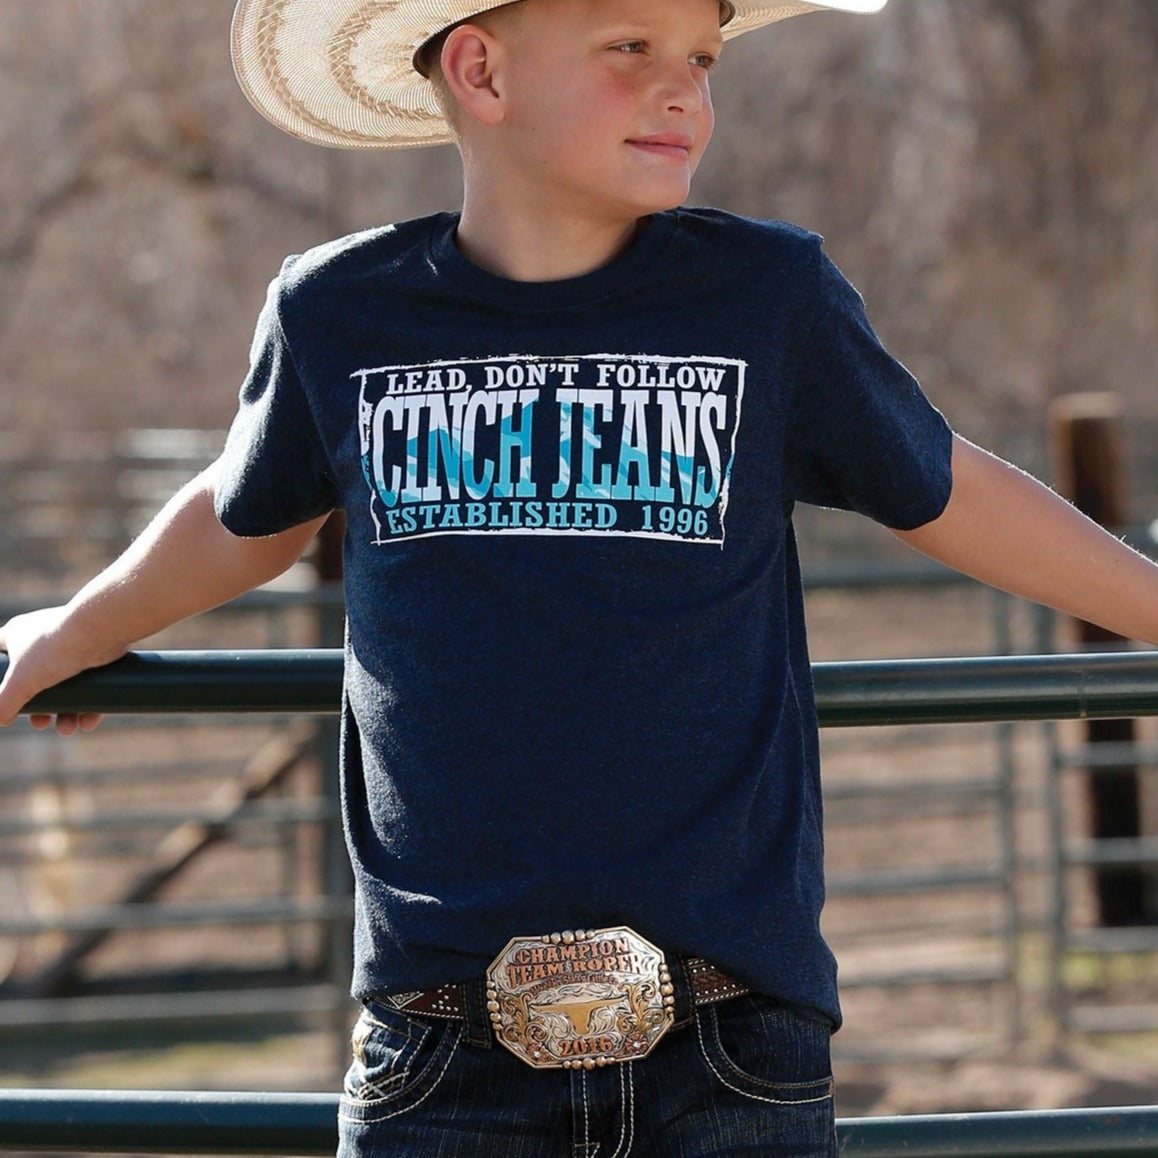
column 580, row 999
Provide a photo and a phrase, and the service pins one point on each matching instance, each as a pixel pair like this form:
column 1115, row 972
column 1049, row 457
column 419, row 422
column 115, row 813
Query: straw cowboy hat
column 343, row 73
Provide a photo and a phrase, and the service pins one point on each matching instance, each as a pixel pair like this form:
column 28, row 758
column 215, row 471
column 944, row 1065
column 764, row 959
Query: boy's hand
column 41, row 654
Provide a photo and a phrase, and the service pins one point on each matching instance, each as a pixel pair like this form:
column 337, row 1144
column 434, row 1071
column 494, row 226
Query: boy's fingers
column 67, row 724
column 14, row 696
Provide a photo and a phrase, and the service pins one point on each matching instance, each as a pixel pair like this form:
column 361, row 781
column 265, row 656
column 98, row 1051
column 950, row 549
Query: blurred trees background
column 986, row 171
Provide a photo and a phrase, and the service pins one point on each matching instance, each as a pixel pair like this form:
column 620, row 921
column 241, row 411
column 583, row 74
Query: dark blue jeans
column 744, row 1077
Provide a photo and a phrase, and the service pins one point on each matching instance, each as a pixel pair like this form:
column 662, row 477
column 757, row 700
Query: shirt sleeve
column 862, row 435
column 274, row 472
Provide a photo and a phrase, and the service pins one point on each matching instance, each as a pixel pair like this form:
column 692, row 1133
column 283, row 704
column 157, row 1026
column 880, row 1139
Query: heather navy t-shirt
column 577, row 684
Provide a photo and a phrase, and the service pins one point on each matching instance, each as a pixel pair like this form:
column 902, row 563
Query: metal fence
column 873, row 693
column 111, row 490
column 20, row 1014
column 229, row 685
column 307, row 682
column 89, row 1121
column 194, row 864
column 974, row 689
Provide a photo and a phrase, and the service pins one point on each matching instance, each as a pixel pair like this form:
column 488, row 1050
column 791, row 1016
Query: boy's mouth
column 678, row 146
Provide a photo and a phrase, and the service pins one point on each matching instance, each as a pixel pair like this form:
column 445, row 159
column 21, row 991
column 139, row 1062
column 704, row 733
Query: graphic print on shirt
column 596, row 443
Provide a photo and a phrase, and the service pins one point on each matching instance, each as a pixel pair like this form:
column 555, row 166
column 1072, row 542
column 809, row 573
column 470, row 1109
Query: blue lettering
column 633, row 449
column 515, row 442
column 588, row 488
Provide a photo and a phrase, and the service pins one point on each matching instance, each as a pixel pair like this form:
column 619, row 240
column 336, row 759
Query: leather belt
column 581, row 998
column 706, row 982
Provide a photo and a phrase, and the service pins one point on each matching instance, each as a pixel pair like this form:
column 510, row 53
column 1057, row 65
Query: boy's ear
column 470, row 57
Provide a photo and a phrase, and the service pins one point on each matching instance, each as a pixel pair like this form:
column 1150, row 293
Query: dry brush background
column 985, row 170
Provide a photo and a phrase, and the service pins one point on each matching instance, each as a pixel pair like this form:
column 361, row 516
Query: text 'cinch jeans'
column 744, row 1077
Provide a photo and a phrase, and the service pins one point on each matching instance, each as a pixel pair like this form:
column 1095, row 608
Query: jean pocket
column 397, row 1062
column 766, row 1051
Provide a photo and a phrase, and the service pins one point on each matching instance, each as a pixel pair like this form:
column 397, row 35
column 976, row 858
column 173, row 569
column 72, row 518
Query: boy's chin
column 662, row 201
column 667, row 205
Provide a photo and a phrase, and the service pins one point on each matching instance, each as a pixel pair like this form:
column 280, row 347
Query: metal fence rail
column 97, row 1121
column 923, row 691
column 906, row 691
column 103, row 835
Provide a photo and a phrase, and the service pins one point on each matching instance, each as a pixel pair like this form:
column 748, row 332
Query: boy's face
column 608, row 105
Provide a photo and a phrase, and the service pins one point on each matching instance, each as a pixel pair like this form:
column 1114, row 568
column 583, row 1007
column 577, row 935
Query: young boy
column 567, row 427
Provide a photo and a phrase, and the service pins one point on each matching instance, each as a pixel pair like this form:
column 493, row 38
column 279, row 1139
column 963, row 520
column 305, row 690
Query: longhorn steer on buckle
column 580, row 999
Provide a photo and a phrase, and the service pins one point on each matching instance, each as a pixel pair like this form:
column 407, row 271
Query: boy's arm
column 1003, row 527
column 185, row 562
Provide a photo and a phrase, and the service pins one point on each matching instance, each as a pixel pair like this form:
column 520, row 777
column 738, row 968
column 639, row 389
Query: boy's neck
column 532, row 247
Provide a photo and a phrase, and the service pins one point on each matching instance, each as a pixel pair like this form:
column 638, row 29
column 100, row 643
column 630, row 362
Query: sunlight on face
column 607, row 104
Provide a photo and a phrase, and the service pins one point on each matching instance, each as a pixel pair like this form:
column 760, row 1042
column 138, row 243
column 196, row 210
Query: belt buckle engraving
column 580, row 999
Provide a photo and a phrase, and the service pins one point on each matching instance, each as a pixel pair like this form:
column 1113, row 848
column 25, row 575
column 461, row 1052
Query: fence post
column 1087, row 464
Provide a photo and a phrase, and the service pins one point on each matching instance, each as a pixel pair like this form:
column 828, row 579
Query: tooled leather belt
column 585, row 998
column 707, row 984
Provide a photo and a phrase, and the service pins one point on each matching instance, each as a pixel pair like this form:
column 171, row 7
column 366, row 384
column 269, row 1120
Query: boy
column 567, row 427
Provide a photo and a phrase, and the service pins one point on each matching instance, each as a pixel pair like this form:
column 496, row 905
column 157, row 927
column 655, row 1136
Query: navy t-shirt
column 577, row 684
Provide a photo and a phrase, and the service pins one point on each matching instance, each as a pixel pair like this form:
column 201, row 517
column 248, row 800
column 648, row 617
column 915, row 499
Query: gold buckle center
column 580, row 999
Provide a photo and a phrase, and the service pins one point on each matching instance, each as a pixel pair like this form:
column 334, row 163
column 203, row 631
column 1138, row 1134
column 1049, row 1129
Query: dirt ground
column 988, row 1039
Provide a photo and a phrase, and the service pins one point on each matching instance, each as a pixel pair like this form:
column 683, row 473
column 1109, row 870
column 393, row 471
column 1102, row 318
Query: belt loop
column 478, row 1020
column 684, row 1009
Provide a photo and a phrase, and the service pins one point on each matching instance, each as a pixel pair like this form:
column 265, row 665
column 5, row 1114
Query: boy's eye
column 705, row 60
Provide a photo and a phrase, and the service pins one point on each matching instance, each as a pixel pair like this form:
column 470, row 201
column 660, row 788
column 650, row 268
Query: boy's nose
column 683, row 91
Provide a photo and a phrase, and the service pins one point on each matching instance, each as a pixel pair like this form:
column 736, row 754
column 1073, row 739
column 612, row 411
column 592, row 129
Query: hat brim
column 753, row 15
column 341, row 73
